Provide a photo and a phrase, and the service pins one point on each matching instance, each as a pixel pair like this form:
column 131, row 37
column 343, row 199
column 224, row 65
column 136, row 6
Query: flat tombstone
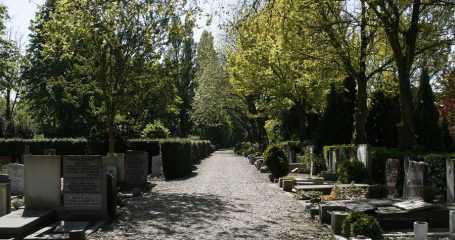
column 157, row 166
column 391, row 174
column 84, row 187
column 16, row 174
column 42, row 183
column 136, row 165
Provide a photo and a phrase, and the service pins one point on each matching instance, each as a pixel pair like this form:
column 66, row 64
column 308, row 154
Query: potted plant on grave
column 276, row 161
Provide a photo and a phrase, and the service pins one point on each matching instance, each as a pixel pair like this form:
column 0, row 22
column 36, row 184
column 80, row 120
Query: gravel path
column 226, row 198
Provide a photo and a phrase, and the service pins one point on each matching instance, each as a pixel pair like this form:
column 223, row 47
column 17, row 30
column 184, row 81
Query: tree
column 123, row 41
column 426, row 116
column 180, row 63
column 209, row 104
column 412, row 29
column 383, row 119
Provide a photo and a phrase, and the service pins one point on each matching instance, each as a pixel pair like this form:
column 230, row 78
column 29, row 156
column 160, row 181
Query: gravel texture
column 225, row 198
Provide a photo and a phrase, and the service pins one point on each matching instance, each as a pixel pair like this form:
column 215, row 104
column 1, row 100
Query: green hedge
column 180, row 155
column 345, row 152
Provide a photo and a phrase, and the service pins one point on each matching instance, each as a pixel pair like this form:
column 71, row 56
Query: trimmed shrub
column 276, row 161
column 352, row 170
column 176, row 158
column 377, row 191
column 357, row 223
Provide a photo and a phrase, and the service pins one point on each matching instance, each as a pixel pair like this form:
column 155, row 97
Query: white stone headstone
column 16, row 174
column 42, row 183
column 450, row 175
column 362, row 153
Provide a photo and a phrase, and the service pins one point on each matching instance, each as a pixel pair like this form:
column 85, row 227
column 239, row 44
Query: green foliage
column 352, row 170
column 155, row 130
column 276, row 161
column 177, row 156
column 426, row 116
column 377, row 191
column 337, row 122
column 357, row 223
column 345, row 152
column 246, row 148
column 382, row 120
column 437, row 170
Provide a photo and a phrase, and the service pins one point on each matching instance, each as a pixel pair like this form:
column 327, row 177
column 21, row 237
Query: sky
column 22, row 11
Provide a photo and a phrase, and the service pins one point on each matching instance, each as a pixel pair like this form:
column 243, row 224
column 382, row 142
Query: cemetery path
column 226, row 198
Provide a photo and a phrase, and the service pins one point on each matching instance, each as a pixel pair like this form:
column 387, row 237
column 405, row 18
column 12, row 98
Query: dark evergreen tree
column 382, row 120
column 336, row 125
column 426, row 116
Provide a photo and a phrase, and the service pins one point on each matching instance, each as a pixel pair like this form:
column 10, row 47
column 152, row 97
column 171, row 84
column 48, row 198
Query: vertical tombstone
column 311, row 152
column 136, row 165
column 42, row 183
column 333, row 160
column 4, row 160
column 5, row 195
column 111, row 163
column 85, row 190
column 16, row 174
column 391, row 175
column 450, row 175
column 157, row 166
column 363, row 154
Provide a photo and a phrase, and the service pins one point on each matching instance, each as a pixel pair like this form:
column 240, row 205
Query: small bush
column 244, row 148
column 357, row 223
column 352, row 171
column 276, row 161
column 377, row 191
column 155, row 130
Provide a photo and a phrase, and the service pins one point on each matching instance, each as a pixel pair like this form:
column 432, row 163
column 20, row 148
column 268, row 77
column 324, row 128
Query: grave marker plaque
column 84, row 187
column 391, row 174
column 16, row 174
column 136, row 165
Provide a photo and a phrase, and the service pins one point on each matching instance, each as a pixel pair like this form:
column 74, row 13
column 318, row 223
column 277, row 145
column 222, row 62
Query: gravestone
column 362, row 154
column 5, row 195
column 16, row 174
column 333, row 160
column 391, row 175
column 5, row 160
column 414, row 178
column 450, row 175
column 157, row 166
column 311, row 152
column 136, row 165
column 42, row 183
column 50, row 151
column 111, row 163
column 85, row 191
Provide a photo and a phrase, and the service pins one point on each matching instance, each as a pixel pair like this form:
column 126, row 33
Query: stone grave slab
column 136, row 165
column 413, row 205
column 336, row 221
column 23, row 222
column 16, row 174
column 157, row 166
column 379, row 202
column 42, row 183
column 360, row 207
column 69, row 226
column 84, row 188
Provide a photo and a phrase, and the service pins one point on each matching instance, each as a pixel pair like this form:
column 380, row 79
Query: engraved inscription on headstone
column 136, row 165
column 391, row 172
column 83, row 182
column 16, row 174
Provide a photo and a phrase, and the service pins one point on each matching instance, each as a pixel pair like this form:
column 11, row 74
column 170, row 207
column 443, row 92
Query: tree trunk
column 405, row 128
column 361, row 111
column 302, row 122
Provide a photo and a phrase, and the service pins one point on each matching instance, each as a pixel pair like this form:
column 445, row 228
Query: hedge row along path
column 225, row 198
